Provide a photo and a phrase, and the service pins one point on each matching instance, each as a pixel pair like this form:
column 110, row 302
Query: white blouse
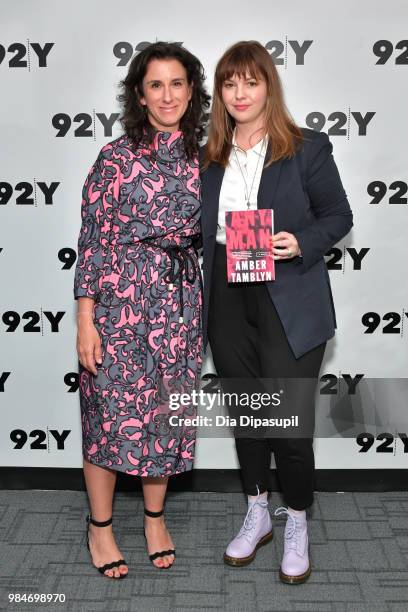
column 232, row 193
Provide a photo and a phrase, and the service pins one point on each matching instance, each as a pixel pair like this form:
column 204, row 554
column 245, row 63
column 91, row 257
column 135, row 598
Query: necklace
column 248, row 195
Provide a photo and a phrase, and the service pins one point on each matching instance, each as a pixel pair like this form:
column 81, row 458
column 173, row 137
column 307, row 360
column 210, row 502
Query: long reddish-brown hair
column 242, row 59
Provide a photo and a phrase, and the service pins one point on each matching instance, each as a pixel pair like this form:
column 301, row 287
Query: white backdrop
column 59, row 74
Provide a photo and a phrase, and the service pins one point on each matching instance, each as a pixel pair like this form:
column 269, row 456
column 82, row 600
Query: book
column 249, row 245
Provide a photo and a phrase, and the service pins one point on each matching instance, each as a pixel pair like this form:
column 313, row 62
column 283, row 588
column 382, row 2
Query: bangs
column 249, row 59
column 241, row 63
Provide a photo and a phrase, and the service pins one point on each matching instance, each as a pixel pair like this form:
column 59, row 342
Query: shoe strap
column 153, row 514
column 162, row 553
column 111, row 565
column 89, row 519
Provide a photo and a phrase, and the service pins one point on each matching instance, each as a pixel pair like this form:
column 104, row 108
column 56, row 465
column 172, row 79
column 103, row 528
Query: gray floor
column 359, row 555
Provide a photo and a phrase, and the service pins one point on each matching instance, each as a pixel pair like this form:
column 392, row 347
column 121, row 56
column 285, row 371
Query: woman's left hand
column 284, row 246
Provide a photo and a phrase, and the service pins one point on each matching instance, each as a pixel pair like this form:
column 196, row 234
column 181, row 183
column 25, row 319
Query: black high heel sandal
column 162, row 553
column 107, row 566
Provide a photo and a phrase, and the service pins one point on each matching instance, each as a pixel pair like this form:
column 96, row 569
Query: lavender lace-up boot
column 295, row 567
column 255, row 531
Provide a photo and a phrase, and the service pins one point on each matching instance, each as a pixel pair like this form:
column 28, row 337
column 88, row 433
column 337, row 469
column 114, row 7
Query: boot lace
column 249, row 524
column 291, row 528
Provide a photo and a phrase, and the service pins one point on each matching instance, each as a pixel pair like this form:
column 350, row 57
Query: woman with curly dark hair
column 138, row 286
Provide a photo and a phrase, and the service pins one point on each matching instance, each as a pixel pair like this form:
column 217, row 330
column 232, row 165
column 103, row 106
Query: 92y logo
column 378, row 189
column 332, row 383
column 383, row 49
column 42, row 440
column 71, row 379
column 372, row 320
column 124, row 50
column 388, row 442
column 3, row 377
column 28, row 194
column 317, row 120
column 67, row 256
column 337, row 258
column 36, row 322
column 87, row 124
column 280, row 51
column 25, row 56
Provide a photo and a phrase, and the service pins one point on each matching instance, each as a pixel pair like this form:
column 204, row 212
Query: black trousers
column 248, row 341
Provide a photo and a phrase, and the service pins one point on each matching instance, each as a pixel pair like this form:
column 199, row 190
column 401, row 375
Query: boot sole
column 295, row 579
column 241, row 561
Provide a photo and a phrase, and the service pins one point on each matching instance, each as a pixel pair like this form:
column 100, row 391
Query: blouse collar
column 259, row 148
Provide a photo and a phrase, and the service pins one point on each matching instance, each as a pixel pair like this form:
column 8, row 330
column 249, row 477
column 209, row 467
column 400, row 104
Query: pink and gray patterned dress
column 140, row 215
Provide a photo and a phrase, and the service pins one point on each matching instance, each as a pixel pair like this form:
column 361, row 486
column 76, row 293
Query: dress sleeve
column 96, row 213
column 332, row 217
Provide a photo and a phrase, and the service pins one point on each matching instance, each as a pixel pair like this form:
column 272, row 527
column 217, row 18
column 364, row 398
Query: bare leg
column 158, row 538
column 100, row 485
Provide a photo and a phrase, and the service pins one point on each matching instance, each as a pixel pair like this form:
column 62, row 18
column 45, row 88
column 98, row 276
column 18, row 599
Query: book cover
column 249, row 245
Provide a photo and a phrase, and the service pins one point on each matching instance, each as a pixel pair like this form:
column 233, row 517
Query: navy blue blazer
column 309, row 201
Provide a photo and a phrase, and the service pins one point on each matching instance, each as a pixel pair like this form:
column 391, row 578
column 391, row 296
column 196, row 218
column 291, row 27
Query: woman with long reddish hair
column 257, row 157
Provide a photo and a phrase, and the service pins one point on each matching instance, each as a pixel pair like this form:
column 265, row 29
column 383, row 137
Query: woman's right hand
column 89, row 346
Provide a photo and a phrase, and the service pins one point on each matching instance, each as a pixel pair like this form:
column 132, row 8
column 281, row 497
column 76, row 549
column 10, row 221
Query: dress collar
column 169, row 145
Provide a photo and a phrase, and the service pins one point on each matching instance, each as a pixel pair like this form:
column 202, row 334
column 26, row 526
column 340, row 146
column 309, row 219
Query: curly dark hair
column 134, row 118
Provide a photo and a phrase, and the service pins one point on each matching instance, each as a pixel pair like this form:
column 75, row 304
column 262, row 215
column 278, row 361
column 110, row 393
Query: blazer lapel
column 211, row 186
column 269, row 183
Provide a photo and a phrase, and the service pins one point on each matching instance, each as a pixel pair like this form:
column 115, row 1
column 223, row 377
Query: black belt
column 183, row 258
column 186, row 264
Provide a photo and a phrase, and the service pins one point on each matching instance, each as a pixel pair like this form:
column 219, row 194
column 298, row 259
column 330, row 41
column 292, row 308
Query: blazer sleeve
column 332, row 218
column 94, row 236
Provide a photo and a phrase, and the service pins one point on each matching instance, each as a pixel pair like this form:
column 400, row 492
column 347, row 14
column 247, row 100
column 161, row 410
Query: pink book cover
column 249, row 246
